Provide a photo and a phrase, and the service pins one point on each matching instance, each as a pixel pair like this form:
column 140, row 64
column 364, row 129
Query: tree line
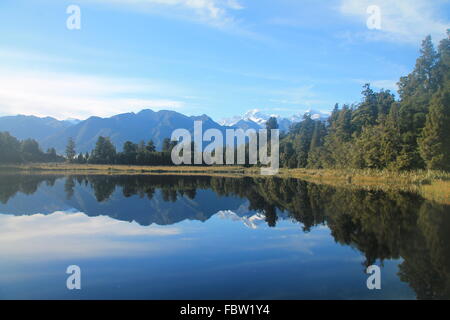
column 13, row 150
column 381, row 132
column 105, row 152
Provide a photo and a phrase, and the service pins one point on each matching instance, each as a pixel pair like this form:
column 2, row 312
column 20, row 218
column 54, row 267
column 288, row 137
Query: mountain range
column 144, row 125
column 256, row 119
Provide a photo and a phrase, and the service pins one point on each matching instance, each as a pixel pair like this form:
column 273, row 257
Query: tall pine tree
column 434, row 143
column 70, row 150
column 416, row 91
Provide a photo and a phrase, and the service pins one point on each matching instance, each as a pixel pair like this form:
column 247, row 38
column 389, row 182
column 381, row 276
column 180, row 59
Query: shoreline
column 432, row 185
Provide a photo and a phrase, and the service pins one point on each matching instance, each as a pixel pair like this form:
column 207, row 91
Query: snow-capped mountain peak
column 255, row 118
column 314, row 114
column 229, row 121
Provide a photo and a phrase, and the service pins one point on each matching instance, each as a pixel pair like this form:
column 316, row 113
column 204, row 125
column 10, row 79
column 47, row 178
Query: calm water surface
column 178, row 237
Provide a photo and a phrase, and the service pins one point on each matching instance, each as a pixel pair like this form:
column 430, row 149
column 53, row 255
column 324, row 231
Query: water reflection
column 89, row 215
column 63, row 234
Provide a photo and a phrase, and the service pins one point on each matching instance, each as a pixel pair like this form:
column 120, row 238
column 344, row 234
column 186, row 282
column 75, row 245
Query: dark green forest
column 381, row 132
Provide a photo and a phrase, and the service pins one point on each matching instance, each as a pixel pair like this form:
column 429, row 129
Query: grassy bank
column 67, row 168
column 432, row 185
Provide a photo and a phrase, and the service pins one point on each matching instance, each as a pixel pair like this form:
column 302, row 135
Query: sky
column 214, row 57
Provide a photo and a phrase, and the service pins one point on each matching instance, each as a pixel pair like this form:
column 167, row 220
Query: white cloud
column 65, row 235
column 233, row 4
column 401, row 20
column 215, row 12
column 77, row 96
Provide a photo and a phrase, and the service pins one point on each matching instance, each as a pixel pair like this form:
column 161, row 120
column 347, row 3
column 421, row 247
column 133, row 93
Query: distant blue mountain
column 144, row 125
column 23, row 127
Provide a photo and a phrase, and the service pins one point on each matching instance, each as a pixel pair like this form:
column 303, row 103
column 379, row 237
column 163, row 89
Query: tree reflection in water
column 381, row 225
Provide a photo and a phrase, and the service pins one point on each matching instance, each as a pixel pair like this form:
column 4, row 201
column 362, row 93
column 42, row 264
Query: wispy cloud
column 214, row 12
column 63, row 234
column 219, row 14
column 401, row 20
column 79, row 96
column 298, row 96
column 12, row 54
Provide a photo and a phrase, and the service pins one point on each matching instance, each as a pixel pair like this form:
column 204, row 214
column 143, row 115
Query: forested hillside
column 381, row 132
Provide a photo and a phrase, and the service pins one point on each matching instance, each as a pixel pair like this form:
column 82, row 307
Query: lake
column 200, row 237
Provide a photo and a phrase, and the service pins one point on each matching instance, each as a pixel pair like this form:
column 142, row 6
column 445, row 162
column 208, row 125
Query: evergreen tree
column 416, row 91
column 70, row 150
column 443, row 66
column 391, row 140
column 166, row 145
column 150, row 146
column 303, row 133
column 384, row 103
column 434, row 142
column 51, row 155
column 367, row 112
column 80, row 159
column 9, row 149
column 334, row 115
column 423, row 78
column 104, row 152
column 272, row 123
column 338, row 144
column 31, row 151
column 317, row 136
column 130, row 151
column 316, row 149
column 14, row 151
column 343, row 126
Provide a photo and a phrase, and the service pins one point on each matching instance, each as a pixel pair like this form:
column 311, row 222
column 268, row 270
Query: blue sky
column 218, row 57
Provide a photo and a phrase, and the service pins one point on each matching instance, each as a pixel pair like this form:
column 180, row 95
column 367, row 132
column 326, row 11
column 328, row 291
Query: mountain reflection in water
column 291, row 239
